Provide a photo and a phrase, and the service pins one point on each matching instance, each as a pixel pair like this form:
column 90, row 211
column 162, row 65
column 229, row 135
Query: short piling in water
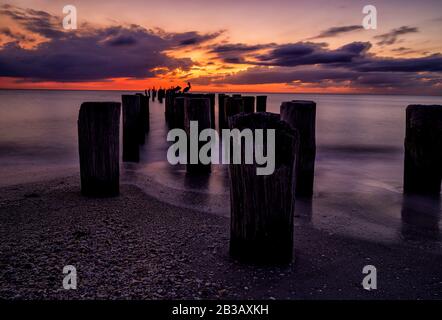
column 196, row 109
column 146, row 113
column 232, row 106
column 131, row 128
column 177, row 120
column 261, row 223
column 168, row 105
column 144, row 116
column 301, row 115
column 161, row 95
column 98, row 144
column 423, row 150
column 248, row 104
column 211, row 97
column 141, row 131
column 261, row 103
column 221, row 115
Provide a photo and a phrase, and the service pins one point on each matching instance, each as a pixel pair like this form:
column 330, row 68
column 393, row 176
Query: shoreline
column 137, row 247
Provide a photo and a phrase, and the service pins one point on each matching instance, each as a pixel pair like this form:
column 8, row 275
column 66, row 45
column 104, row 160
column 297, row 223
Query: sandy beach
column 136, row 247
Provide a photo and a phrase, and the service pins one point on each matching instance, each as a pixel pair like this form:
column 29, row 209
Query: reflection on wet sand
column 420, row 218
column 303, row 209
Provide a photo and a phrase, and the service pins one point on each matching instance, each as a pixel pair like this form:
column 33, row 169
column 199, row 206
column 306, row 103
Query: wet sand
column 137, row 247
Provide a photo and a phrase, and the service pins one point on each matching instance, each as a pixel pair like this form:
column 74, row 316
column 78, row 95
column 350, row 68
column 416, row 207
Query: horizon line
column 208, row 91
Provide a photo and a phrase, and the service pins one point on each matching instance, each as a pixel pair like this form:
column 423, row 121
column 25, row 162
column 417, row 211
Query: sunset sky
column 225, row 45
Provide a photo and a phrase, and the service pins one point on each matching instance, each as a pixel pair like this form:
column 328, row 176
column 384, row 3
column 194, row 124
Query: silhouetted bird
column 176, row 89
column 186, row 89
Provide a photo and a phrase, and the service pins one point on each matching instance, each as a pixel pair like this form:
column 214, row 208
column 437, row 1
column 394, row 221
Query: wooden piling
column 248, row 104
column 168, row 105
column 221, row 119
column 301, row 115
column 211, row 97
column 146, row 113
column 144, row 116
column 98, row 144
column 131, row 136
column 178, row 113
column 196, row 109
column 423, row 150
column 261, row 103
column 261, row 229
column 232, row 106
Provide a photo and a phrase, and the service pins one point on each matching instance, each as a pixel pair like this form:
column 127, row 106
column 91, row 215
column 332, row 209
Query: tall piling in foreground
column 248, row 104
column 301, row 115
column 423, row 150
column 261, row 103
column 261, row 224
column 196, row 109
column 131, row 135
column 98, row 144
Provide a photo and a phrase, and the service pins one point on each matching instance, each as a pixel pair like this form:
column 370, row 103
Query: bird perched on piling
column 186, row 89
column 176, row 89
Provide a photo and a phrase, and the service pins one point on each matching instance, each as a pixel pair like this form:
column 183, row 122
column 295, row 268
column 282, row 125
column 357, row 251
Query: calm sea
column 358, row 181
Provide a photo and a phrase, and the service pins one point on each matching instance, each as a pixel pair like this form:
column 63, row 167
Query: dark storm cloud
column 351, row 65
column 239, row 48
column 392, row 36
column 335, row 31
column 431, row 63
column 306, row 53
column 89, row 53
column 192, row 38
column 236, row 53
column 264, row 75
column 320, row 76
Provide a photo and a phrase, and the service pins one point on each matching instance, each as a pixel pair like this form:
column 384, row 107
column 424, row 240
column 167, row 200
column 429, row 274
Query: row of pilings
column 262, row 207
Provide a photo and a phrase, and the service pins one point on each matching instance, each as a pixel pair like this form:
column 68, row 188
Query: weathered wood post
column 131, row 112
column 423, row 150
column 261, row 103
column 221, row 120
column 160, row 95
column 261, row 225
column 178, row 111
column 98, row 144
column 232, row 106
column 144, row 113
column 211, row 96
column 147, row 113
column 168, row 105
column 196, row 109
column 301, row 115
column 141, row 132
column 248, row 104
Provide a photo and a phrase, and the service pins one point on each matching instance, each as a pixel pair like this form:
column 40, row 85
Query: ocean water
column 359, row 162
